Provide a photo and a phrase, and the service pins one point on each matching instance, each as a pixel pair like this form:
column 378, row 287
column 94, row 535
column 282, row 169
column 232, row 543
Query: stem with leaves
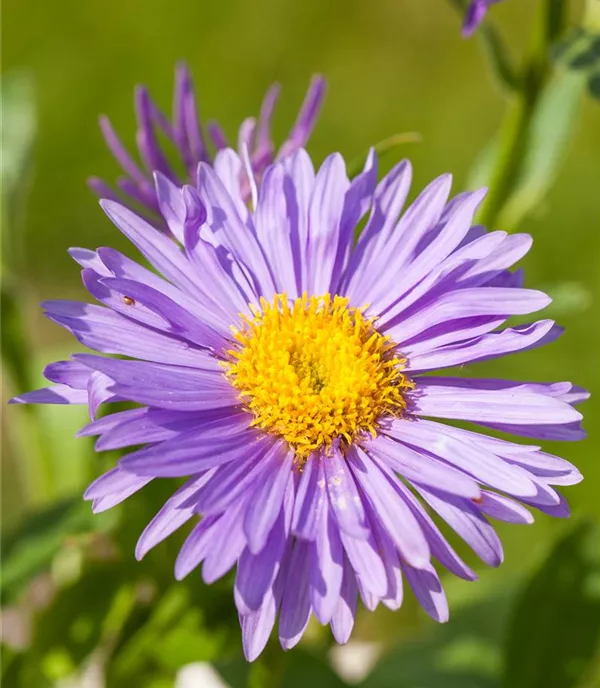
column 18, row 136
column 515, row 130
column 36, row 470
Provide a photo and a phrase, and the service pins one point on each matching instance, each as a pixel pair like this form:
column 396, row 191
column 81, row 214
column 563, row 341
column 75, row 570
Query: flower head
column 194, row 143
column 475, row 15
column 282, row 368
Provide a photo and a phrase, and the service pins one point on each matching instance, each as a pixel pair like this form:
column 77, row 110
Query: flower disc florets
column 316, row 370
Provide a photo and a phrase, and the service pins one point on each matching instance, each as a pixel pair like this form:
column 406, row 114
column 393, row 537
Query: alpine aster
column 475, row 15
column 193, row 144
column 282, row 368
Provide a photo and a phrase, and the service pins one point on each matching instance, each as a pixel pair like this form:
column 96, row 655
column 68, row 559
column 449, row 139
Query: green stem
column 495, row 50
column 382, row 148
column 16, row 354
column 41, row 478
column 36, row 466
column 515, row 130
column 512, row 137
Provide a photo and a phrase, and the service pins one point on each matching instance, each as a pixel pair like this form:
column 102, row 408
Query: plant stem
column 495, row 50
column 34, row 459
column 515, row 130
column 16, row 354
column 382, row 149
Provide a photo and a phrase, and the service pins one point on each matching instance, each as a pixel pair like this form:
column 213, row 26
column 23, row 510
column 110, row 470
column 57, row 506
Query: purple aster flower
column 475, row 15
column 283, row 369
column 194, row 145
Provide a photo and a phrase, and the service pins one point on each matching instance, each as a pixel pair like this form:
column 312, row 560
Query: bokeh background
column 74, row 599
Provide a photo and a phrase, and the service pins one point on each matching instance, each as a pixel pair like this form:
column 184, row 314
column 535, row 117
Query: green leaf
column 18, row 128
column 555, row 627
column 465, row 653
column 545, row 145
column 176, row 631
column 189, row 641
column 138, row 650
column 16, row 354
column 71, row 627
column 578, row 50
column 71, row 459
column 594, row 85
column 52, row 462
column 19, row 672
column 32, row 546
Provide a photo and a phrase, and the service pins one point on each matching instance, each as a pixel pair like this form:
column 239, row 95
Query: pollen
column 315, row 370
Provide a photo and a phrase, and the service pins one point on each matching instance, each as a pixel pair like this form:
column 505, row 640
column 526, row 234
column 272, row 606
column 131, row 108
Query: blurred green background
column 392, row 66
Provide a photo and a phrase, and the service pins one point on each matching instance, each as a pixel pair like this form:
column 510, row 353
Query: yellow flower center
column 315, row 370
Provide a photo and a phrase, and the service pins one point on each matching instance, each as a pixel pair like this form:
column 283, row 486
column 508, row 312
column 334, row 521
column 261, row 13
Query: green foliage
column 293, row 669
column 130, row 620
column 18, row 133
column 31, row 547
column 579, row 50
column 174, row 633
column 15, row 346
column 18, row 670
column 522, row 160
column 544, row 146
column 70, row 628
column 554, row 631
column 466, row 653
column 54, row 463
column 18, row 128
column 309, row 669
